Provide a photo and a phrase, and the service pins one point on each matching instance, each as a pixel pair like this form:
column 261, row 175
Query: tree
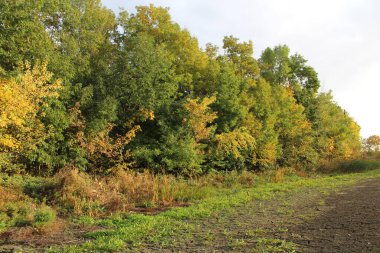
column 372, row 144
column 73, row 36
column 21, row 107
column 67, row 33
column 338, row 135
column 274, row 65
column 280, row 68
column 265, row 111
column 200, row 116
column 189, row 61
column 22, row 35
column 294, row 130
column 228, row 102
column 138, row 91
column 166, row 144
column 145, row 78
column 241, row 54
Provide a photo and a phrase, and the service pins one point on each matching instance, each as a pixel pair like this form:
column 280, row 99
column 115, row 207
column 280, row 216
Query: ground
column 351, row 225
column 347, row 220
column 304, row 219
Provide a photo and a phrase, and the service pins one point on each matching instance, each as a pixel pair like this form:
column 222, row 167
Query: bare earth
column 352, row 224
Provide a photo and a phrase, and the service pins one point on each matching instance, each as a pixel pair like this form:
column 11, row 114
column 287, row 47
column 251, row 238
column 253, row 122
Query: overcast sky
column 340, row 38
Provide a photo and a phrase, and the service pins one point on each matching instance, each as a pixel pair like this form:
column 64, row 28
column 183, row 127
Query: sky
column 340, row 39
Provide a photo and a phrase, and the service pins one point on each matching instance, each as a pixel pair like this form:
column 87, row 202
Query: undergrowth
column 350, row 166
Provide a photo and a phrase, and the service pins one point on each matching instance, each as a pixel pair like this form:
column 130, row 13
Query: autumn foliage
column 22, row 103
column 135, row 91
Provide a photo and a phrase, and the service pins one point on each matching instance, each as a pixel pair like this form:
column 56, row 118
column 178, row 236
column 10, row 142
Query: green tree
column 241, row 54
column 280, row 68
column 274, row 65
column 338, row 135
column 294, row 130
column 189, row 61
column 266, row 113
column 228, row 102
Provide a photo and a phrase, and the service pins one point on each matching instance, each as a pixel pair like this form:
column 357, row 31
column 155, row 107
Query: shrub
column 41, row 189
column 77, row 192
column 43, row 216
column 17, row 209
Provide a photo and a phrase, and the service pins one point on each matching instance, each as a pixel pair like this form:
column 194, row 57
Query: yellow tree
column 103, row 151
column 200, row 116
column 372, row 143
column 21, row 106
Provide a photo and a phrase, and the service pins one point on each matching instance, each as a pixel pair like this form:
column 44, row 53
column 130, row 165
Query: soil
column 29, row 239
column 352, row 224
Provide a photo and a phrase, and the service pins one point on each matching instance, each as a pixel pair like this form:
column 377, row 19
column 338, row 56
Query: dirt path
column 308, row 221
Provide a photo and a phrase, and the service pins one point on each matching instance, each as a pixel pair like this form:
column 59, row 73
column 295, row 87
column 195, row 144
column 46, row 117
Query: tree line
column 83, row 87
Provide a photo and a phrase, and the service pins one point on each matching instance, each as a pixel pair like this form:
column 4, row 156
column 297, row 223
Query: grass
column 271, row 245
column 126, row 231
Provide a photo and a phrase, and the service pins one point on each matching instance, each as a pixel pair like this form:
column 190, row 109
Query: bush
column 43, row 216
column 41, row 189
column 20, row 210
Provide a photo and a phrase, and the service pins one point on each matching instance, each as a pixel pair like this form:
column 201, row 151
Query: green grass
column 270, row 245
column 128, row 231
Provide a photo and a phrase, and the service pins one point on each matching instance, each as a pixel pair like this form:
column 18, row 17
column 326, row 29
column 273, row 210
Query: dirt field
column 347, row 220
column 352, row 224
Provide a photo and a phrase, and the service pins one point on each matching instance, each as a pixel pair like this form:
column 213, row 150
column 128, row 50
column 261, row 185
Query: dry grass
column 8, row 196
column 279, row 175
column 36, row 201
column 301, row 173
column 227, row 179
column 76, row 192
column 144, row 188
column 81, row 194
